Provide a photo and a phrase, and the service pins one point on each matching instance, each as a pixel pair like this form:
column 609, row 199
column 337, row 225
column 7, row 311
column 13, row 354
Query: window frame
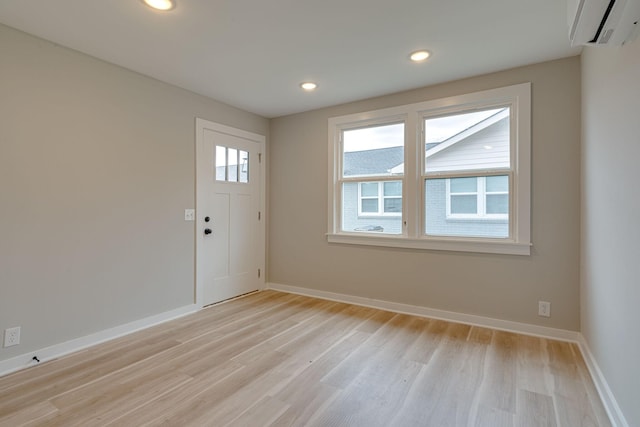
column 516, row 97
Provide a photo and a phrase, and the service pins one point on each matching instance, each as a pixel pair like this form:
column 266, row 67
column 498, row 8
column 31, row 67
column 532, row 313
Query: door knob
column 207, row 231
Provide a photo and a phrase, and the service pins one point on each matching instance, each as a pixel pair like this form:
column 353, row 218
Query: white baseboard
column 469, row 319
column 606, row 395
column 58, row 350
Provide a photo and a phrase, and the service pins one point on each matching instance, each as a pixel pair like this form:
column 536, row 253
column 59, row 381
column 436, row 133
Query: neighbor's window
column 380, row 198
column 450, row 174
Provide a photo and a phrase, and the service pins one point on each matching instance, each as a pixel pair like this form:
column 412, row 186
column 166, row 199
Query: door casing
column 201, row 186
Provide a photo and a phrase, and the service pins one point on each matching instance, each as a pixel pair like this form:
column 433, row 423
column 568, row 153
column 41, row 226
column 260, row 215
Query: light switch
column 189, row 214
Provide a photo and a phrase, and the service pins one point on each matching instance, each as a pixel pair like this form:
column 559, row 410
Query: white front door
column 230, row 227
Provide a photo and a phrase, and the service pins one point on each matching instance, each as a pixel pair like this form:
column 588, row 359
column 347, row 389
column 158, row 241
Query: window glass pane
column 464, row 185
column 392, row 205
column 464, row 204
column 232, row 165
column 466, row 141
column 369, row 189
column 221, row 163
column 363, row 215
column 374, row 150
column 369, row 205
column 497, row 204
column 472, row 223
column 393, row 188
column 244, row 166
column 497, row 183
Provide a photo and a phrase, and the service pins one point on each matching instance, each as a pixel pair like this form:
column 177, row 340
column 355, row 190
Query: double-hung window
column 449, row 174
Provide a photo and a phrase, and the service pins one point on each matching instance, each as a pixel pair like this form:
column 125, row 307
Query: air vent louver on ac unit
column 602, row 22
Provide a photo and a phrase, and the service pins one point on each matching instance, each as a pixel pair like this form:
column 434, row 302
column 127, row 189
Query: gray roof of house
column 371, row 162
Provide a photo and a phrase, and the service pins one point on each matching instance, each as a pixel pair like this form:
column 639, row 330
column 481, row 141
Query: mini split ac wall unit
column 603, row 22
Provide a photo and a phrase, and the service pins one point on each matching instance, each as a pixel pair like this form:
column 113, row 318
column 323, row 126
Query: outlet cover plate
column 12, row 336
column 189, row 214
column 544, row 308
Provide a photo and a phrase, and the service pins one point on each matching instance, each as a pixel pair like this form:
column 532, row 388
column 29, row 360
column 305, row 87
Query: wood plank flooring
column 276, row 359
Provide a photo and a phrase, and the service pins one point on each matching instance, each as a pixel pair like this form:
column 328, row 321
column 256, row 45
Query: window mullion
column 482, row 196
column 411, row 186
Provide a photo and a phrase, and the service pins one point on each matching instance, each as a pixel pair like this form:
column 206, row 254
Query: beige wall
column 96, row 169
column 497, row 286
column 610, row 293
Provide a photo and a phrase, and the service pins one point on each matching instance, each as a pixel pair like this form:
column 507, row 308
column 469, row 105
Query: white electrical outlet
column 544, row 309
column 189, row 214
column 12, row 336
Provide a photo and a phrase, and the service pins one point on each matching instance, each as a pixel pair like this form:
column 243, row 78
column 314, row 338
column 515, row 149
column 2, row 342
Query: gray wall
column 610, row 293
column 96, row 169
column 498, row 286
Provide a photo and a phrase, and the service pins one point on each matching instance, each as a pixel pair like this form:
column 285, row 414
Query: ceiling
column 253, row 54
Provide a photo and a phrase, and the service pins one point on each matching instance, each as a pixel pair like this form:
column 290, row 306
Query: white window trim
column 517, row 97
column 481, row 194
column 380, row 197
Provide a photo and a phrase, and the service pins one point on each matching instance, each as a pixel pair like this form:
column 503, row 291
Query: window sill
column 478, row 245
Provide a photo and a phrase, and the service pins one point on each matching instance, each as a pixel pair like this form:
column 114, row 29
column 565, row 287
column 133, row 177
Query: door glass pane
column 467, row 141
column 374, row 150
column 232, row 166
column 221, row 163
column 244, row 166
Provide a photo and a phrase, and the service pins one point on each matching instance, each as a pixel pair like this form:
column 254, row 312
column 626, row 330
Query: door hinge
column 259, row 157
column 258, row 273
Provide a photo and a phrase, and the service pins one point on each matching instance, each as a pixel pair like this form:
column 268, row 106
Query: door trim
column 201, row 125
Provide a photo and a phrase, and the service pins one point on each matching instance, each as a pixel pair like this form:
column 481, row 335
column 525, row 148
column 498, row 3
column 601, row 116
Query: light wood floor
column 275, row 359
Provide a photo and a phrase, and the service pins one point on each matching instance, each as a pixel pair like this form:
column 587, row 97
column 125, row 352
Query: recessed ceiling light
column 308, row 86
column 161, row 4
column 419, row 56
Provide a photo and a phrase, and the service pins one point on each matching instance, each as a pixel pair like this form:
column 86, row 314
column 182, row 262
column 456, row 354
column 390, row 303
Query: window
column 371, row 189
column 449, row 174
column 380, row 198
column 478, row 197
